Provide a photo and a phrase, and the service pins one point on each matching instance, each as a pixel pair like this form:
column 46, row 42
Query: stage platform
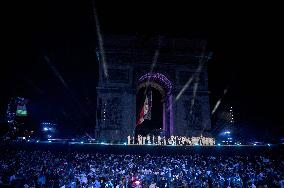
column 146, row 149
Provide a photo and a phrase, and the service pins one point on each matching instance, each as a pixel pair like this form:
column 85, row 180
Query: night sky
column 51, row 60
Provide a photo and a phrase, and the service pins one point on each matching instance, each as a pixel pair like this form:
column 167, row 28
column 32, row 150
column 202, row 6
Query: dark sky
column 49, row 35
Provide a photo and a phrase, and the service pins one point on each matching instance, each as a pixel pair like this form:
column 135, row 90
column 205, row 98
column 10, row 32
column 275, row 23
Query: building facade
column 176, row 67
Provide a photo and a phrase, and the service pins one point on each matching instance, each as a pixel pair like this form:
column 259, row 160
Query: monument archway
column 162, row 84
column 129, row 61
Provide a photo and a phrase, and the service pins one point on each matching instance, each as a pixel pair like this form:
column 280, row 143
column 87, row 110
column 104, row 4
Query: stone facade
column 127, row 59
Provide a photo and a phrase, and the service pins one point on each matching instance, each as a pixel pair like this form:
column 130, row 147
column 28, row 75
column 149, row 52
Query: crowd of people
column 49, row 168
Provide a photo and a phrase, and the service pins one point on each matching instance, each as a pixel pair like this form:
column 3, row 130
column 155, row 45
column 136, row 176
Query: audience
column 23, row 168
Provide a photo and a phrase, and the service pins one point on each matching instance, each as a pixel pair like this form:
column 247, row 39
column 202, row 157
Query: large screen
column 21, row 110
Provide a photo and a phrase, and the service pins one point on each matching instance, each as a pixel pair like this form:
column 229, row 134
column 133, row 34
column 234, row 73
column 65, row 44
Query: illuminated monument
column 176, row 68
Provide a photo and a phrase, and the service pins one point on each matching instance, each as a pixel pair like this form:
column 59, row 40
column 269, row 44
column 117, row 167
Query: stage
column 146, row 149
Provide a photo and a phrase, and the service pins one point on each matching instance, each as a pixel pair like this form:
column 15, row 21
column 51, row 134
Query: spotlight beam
column 194, row 95
column 195, row 75
column 155, row 59
column 59, row 76
column 216, row 106
column 101, row 44
column 56, row 72
column 219, row 101
column 201, row 63
column 184, row 87
column 154, row 62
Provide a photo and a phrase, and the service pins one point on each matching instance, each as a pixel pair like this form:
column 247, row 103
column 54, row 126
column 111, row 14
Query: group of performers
column 172, row 140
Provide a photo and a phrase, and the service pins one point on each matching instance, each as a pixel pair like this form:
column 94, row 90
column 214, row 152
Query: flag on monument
column 145, row 112
column 148, row 114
